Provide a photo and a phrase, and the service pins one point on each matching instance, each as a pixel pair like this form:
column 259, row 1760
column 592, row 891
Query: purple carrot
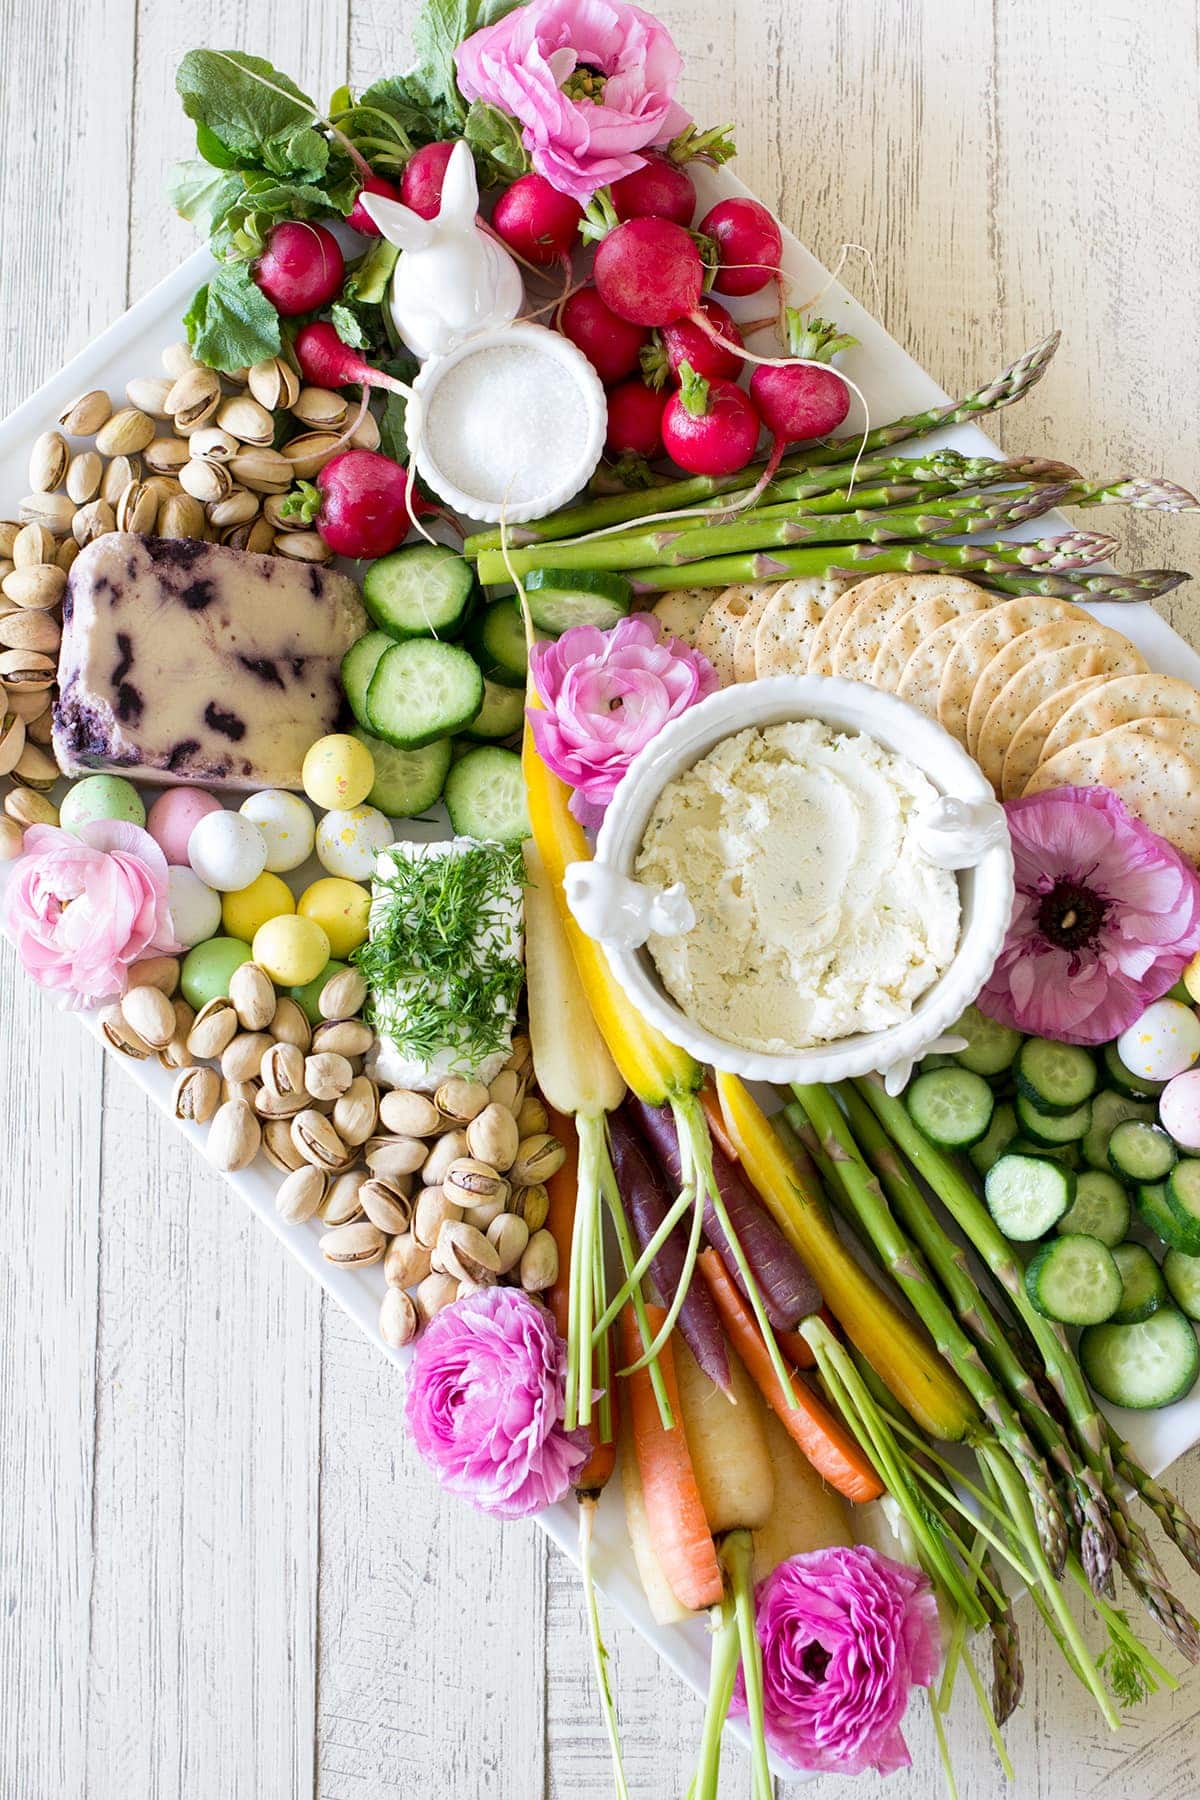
column 647, row 1204
column 788, row 1291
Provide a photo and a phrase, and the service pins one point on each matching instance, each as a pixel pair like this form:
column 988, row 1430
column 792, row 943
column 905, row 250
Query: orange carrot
column 827, row 1444
column 796, row 1348
column 674, row 1511
column 719, row 1130
column 561, row 1192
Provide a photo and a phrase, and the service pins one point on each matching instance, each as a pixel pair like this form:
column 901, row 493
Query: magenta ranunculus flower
column 1106, row 917
column 591, row 81
column 485, row 1404
column 82, row 906
column 846, row 1635
column 606, row 694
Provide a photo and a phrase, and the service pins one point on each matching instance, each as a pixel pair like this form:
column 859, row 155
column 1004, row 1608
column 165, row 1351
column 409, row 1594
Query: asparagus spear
column 616, row 509
column 1139, row 584
column 1070, row 550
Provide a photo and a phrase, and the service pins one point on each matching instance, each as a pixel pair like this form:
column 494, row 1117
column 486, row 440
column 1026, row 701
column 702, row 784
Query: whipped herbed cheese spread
column 817, row 916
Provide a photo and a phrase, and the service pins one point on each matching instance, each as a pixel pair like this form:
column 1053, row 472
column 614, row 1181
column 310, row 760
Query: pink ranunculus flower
column 82, row 906
column 846, row 1635
column 606, row 694
column 1106, row 918
column 591, row 81
column 485, row 1404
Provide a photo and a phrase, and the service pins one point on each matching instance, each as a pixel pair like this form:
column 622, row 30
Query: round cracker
column 986, row 633
column 1042, row 662
column 717, row 636
column 1054, row 635
column 743, row 643
column 871, row 604
column 1158, row 783
column 920, row 679
column 867, row 627
column 787, row 628
column 681, row 613
column 920, row 621
column 1121, row 702
column 1025, row 751
column 820, row 656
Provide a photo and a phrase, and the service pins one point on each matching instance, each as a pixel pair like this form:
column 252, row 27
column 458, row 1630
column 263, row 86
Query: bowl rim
column 986, row 906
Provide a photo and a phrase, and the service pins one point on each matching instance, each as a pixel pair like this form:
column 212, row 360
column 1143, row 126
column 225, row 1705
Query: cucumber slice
column 1151, row 1364
column 1138, row 1087
column 358, row 665
column 951, row 1106
column 1026, row 1195
column 1066, row 1155
column 422, row 690
column 559, row 598
column 995, row 1140
column 407, row 782
column 1053, row 1128
column 1182, row 1274
column 1182, row 1190
column 501, row 715
column 485, row 796
column 1056, row 1077
column 1172, row 1226
column 1100, row 1208
column 423, row 591
column 1075, row 1280
column 1143, row 1289
column 1138, row 1151
column 497, row 639
column 991, row 1047
column 1108, row 1110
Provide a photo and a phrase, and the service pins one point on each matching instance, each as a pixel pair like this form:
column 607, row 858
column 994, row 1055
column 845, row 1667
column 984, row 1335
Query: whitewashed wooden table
column 222, row 1572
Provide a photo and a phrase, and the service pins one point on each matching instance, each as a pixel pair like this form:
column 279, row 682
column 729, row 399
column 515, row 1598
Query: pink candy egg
column 1179, row 1109
column 175, row 815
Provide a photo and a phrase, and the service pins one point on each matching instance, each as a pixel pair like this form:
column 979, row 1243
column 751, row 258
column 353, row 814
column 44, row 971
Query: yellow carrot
column 728, row 1444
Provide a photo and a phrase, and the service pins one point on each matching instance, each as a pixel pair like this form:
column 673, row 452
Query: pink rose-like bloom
column 606, row 694
column 619, row 102
column 485, row 1404
column 846, row 1634
column 1106, row 918
column 82, row 906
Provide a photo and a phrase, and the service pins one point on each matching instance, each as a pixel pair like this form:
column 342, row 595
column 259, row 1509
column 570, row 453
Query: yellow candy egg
column 292, row 950
column 1191, row 977
column 339, row 770
column 244, row 910
column 340, row 908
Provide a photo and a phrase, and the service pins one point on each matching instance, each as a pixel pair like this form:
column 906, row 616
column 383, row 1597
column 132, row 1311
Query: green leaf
column 302, row 503
column 253, row 112
column 495, row 141
column 406, row 102
column 200, row 193
column 290, row 199
column 213, row 150
column 349, row 327
column 393, row 438
column 441, row 27
column 368, row 280
column 230, row 322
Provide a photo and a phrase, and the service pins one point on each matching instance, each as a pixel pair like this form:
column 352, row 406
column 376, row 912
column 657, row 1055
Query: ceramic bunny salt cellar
column 509, row 418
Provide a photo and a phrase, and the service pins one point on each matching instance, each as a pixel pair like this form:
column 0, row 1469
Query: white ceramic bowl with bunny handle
column 964, row 830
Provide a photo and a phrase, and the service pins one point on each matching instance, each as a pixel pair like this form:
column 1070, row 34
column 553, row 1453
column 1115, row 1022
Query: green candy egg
column 207, row 969
column 307, row 997
column 100, row 797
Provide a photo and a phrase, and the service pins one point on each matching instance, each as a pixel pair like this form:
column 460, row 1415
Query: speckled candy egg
column 292, row 950
column 1179, row 1109
column 100, row 797
column 287, row 825
column 227, row 851
column 349, row 840
column 1162, row 1043
column 1191, row 977
column 175, row 815
column 341, row 909
column 338, row 771
column 207, row 969
column 195, row 907
column 246, row 909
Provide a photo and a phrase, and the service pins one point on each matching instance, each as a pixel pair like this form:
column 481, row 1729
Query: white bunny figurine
column 452, row 280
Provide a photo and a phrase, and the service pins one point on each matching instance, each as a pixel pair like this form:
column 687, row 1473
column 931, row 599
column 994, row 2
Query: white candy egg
column 1179, row 1109
column 287, row 825
column 1163, row 1042
column 349, row 840
column 195, row 908
column 227, row 851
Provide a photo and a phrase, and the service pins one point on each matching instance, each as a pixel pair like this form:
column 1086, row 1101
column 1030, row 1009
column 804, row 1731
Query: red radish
column 358, row 215
column 611, row 345
column 301, row 267
column 326, row 362
column 364, row 504
column 748, row 242
column 635, row 420
column 660, row 189
column 421, row 182
column 537, row 221
column 709, row 427
column 683, row 341
column 649, row 272
column 797, row 401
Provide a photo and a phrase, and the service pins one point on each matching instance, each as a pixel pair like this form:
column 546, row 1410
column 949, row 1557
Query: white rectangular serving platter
column 894, row 384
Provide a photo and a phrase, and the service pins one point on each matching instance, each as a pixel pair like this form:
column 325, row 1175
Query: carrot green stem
column 737, row 1557
column 722, row 1673
column 587, row 1514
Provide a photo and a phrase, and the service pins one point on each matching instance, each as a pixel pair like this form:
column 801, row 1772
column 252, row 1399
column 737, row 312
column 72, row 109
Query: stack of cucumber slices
column 1073, row 1161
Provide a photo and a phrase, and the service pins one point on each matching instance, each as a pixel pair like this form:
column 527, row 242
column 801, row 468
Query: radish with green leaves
column 326, row 362
column 611, row 344
column 424, row 173
column 748, row 243
column 364, row 504
column 537, row 222
column 709, row 427
column 660, row 189
column 683, row 341
column 358, row 216
column 301, row 267
column 635, row 414
column 649, row 272
column 804, row 399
